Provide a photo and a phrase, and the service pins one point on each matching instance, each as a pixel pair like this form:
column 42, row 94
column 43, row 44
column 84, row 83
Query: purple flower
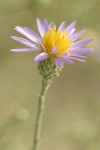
column 61, row 44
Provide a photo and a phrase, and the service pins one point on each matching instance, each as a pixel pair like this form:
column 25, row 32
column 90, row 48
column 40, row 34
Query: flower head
column 60, row 44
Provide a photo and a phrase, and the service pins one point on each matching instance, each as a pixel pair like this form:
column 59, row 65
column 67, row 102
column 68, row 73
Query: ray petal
column 32, row 32
column 81, row 51
column 26, row 33
column 25, row 42
column 70, row 27
column 40, row 27
column 81, row 43
column 52, row 24
column 77, row 35
column 41, row 56
column 21, row 50
column 57, row 62
column 78, row 59
column 66, row 60
column 54, row 50
column 62, row 26
column 45, row 24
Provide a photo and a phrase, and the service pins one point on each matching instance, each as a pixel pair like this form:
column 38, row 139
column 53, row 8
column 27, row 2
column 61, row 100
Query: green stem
column 41, row 105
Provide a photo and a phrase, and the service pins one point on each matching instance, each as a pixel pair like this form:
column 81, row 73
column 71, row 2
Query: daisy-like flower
column 60, row 44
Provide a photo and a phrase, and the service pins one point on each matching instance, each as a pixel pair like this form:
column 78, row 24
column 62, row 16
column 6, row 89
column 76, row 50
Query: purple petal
column 26, row 33
column 22, row 50
column 76, row 55
column 66, row 60
column 31, row 32
column 41, row 56
column 25, row 42
column 72, row 31
column 55, row 49
column 70, row 27
column 80, row 43
column 81, row 51
column 62, row 26
column 77, row 35
column 57, row 62
column 45, row 24
column 78, row 59
column 51, row 24
column 40, row 27
column 42, row 45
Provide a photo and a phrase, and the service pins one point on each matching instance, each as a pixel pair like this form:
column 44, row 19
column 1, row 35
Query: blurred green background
column 72, row 118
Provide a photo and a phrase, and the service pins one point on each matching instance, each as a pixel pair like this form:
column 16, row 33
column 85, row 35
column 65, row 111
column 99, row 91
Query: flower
column 61, row 44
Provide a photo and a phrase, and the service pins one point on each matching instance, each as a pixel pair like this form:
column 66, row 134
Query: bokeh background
column 72, row 114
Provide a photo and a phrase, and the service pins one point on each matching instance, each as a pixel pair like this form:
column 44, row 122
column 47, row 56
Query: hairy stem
column 41, row 106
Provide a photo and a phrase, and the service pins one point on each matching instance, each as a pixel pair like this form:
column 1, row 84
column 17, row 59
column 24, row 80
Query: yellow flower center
column 56, row 38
